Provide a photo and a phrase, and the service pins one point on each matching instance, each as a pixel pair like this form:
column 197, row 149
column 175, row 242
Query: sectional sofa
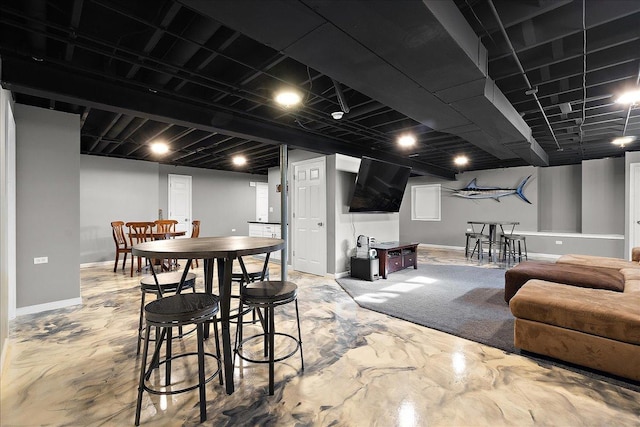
column 581, row 309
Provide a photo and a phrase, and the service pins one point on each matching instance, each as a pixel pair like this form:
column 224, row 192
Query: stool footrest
column 265, row 360
column 152, row 390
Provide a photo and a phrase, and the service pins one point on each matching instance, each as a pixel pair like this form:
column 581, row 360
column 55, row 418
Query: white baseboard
column 429, row 245
column 95, row 264
column 38, row 308
column 3, row 356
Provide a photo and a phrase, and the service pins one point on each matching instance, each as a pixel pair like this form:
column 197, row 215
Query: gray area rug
column 460, row 300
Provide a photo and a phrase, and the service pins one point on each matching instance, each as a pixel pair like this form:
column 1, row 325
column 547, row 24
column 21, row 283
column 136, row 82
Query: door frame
column 169, row 180
column 634, row 173
column 292, row 216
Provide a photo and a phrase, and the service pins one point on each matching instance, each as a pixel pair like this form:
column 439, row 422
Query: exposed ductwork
column 421, row 59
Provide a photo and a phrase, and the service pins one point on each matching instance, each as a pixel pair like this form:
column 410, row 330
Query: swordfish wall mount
column 473, row 191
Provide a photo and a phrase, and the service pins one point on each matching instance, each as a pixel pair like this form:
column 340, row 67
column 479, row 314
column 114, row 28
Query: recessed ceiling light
column 159, row 148
column 407, row 140
column 461, row 160
column 623, row 140
column 630, row 97
column 288, row 98
column 239, row 160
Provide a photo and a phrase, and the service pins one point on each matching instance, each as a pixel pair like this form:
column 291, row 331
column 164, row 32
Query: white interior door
column 180, row 201
column 309, row 252
column 262, row 202
column 634, row 206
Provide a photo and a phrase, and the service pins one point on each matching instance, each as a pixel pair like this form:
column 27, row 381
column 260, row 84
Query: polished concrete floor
column 78, row 367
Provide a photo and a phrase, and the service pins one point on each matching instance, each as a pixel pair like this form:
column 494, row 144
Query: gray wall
column 222, row 201
column 48, row 205
column 113, row 190
column 560, row 205
column 131, row 190
column 560, row 198
column 456, row 211
column 603, row 196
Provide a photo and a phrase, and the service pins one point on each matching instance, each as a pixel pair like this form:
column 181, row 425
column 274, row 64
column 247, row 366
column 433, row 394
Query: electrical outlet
column 41, row 260
column 558, row 242
column 233, row 230
column 469, row 230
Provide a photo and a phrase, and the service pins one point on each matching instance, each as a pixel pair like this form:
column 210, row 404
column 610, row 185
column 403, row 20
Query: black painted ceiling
column 201, row 75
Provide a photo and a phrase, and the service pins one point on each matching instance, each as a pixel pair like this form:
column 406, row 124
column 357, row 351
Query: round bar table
column 225, row 250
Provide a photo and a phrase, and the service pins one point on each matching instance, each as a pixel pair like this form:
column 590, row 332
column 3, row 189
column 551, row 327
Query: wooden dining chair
column 195, row 232
column 167, row 226
column 139, row 232
column 122, row 247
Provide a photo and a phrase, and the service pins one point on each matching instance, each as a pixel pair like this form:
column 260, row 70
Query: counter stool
column 170, row 312
column 240, row 279
column 168, row 283
column 479, row 240
column 268, row 295
column 510, row 242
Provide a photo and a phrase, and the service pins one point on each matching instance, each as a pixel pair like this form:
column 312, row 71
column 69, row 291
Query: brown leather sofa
column 594, row 322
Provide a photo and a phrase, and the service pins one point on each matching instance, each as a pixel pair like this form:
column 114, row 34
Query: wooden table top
column 208, row 247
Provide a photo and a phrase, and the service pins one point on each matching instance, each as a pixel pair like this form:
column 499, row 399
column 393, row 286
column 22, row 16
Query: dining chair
column 139, row 232
column 164, row 226
column 195, row 232
column 122, row 247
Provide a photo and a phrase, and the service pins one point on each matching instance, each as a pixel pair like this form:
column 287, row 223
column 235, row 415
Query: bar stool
column 268, row 295
column 240, row 279
column 170, row 312
column 510, row 242
column 168, row 283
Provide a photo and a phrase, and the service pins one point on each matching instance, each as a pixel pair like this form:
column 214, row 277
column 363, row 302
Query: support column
column 284, row 213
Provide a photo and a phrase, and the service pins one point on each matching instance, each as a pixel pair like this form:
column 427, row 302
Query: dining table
column 223, row 251
column 493, row 226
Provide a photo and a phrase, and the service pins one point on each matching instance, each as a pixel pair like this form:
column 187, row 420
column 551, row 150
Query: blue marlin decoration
column 473, row 191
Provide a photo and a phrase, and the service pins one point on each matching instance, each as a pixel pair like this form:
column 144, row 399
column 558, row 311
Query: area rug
column 460, row 300
column 465, row 301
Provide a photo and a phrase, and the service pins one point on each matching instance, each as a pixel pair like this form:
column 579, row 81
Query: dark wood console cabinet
column 396, row 256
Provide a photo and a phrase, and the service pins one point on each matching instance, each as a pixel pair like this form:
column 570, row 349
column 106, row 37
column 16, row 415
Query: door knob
column 320, row 224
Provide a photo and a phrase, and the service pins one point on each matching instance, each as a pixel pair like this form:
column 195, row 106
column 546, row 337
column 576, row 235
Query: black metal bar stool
column 267, row 295
column 170, row 312
column 167, row 283
column 513, row 247
column 241, row 279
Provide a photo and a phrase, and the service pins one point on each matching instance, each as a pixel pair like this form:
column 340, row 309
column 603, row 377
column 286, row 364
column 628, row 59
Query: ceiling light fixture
column 461, row 160
column 288, row 98
column 159, row 148
column 337, row 115
column 407, row 140
column 623, row 140
column 631, row 97
column 239, row 160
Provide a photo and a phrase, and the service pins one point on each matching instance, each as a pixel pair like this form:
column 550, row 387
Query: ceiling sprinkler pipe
column 343, row 102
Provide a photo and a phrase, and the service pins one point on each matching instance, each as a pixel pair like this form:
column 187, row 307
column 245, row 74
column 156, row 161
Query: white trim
column 341, row 275
column 572, row 235
column 429, row 245
column 3, row 356
column 38, row 308
column 98, row 263
column 424, row 198
column 461, row 248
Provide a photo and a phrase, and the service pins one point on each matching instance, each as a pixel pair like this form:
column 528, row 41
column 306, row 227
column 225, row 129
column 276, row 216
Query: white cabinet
column 266, row 230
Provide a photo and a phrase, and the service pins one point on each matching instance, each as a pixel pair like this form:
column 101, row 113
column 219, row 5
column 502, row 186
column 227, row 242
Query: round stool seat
column 269, row 292
column 168, row 282
column 182, row 309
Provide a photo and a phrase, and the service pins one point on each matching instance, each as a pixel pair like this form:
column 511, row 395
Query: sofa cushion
column 614, row 315
column 631, row 279
column 568, row 274
column 596, row 261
